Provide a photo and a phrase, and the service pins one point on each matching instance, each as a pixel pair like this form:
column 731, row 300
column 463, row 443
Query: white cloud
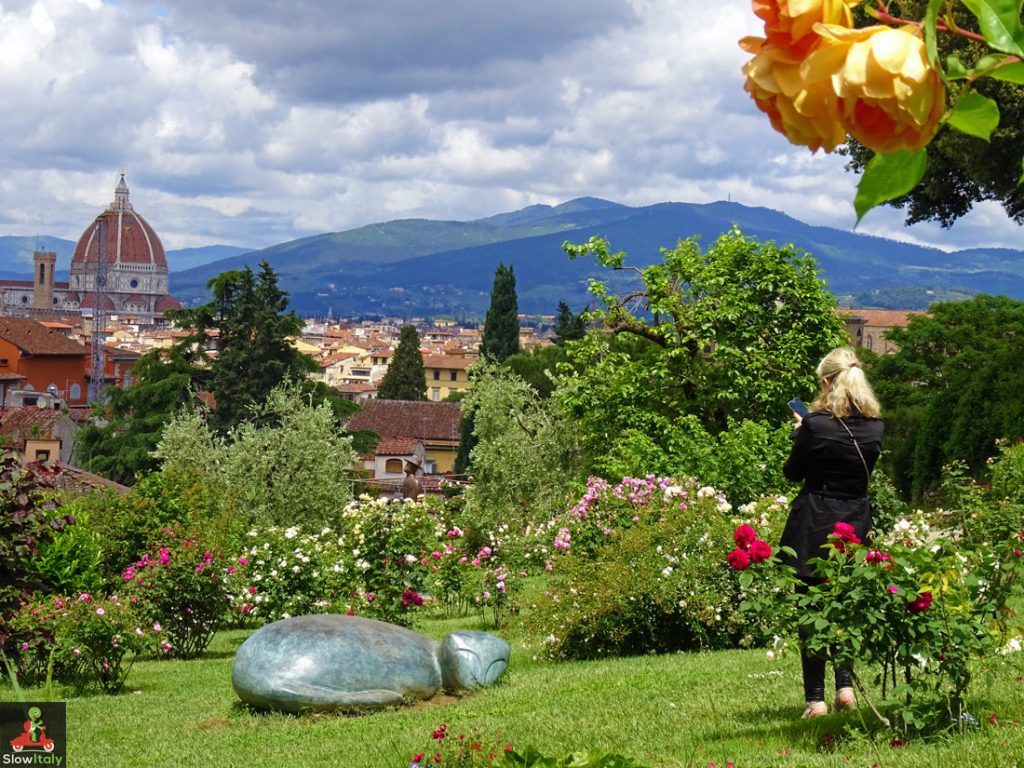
column 253, row 122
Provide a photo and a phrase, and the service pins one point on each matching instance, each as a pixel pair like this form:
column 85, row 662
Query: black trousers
column 814, row 665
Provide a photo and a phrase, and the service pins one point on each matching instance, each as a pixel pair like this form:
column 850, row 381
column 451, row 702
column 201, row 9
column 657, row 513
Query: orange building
column 45, row 358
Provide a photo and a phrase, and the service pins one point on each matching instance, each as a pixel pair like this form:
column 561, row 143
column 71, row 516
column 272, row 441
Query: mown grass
column 675, row 710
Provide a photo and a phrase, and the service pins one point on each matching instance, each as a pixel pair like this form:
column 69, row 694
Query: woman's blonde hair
column 844, row 387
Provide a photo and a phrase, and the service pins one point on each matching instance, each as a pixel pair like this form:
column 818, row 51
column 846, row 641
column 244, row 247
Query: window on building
column 42, row 455
column 4, row 362
column 455, row 375
column 28, row 402
column 75, row 393
column 437, row 375
column 871, row 342
column 435, row 394
column 393, row 465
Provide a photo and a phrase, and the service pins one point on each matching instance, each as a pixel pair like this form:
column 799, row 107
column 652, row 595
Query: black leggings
column 814, row 665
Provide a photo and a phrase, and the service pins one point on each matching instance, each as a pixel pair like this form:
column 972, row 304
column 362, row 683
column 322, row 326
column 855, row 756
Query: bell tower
column 42, row 281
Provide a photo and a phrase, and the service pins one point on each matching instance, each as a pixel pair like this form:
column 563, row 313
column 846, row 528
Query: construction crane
column 99, row 312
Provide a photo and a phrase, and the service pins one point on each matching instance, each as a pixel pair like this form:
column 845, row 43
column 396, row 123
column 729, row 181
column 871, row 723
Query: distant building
column 867, row 327
column 137, row 281
column 44, row 359
column 446, row 374
column 434, row 425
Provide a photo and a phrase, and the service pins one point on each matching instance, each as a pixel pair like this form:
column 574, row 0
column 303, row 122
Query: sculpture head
column 472, row 659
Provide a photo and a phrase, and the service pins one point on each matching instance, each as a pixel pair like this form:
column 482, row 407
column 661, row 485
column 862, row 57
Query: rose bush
column 915, row 611
column 641, row 566
column 82, row 641
column 285, row 572
column 180, row 586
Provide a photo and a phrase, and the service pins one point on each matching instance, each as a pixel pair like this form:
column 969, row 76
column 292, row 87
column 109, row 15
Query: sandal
column 814, row 709
column 845, row 699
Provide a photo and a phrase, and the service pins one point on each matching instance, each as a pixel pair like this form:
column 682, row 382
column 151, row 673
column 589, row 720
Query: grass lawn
column 676, row 710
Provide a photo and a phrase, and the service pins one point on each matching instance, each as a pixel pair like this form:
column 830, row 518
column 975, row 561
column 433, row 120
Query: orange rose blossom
column 818, row 79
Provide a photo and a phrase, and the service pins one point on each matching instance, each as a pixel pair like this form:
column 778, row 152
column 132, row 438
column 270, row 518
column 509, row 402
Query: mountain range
column 422, row 267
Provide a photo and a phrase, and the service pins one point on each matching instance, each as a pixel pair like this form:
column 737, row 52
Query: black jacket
column 835, row 481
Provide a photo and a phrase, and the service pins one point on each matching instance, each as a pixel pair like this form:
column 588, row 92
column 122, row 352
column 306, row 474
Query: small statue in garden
column 327, row 662
column 412, row 487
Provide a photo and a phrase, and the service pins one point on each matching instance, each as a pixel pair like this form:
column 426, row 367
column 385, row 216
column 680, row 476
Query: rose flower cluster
column 819, row 79
column 749, row 548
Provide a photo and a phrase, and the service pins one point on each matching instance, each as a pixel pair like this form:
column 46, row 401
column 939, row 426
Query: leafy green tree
column 539, row 366
column 247, row 321
column 119, row 443
column 568, row 326
column 953, row 389
column 501, row 325
column 406, row 378
column 286, row 465
column 525, row 459
column 725, row 335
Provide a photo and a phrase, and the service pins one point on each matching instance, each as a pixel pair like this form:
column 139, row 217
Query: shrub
column 129, row 524
column 921, row 609
column 27, row 522
column 180, row 586
column 83, row 641
column 72, row 562
column 389, row 539
column 284, row 572
column 641, row 569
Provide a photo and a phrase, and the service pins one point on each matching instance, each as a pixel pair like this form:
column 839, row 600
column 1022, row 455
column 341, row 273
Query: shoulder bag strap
column 867, row 472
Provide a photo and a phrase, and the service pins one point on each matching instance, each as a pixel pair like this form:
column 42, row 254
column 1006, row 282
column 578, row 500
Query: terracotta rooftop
column 34, row 338
column 397, row 446
column 458, row 362
column 409, row 418
column 886, row 317
column 20, row 424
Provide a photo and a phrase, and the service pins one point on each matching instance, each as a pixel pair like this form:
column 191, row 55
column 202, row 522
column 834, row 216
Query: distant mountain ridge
column 425, row 267
column 421, row 267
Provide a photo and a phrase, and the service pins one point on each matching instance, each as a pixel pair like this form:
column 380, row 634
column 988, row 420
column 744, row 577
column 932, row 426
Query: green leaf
column 975, row 115
column 746, row 579
column 955, row 69
column 1000, row 24
column 1021, row 179
column 887, row 177
column 1011, row 73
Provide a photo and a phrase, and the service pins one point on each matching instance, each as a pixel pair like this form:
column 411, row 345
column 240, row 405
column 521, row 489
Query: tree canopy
column 722, row 335
column 119, row 443
column 247, row 322
column 405, row 378
column 953, row 389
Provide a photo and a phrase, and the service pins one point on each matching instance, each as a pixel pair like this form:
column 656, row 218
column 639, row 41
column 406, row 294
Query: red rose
column 739, row 559
column 921, row 604
column 760, row 551
column 745, row 536
column 875, row 556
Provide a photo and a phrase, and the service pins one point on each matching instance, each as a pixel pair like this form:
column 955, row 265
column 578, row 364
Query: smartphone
column 797, row 406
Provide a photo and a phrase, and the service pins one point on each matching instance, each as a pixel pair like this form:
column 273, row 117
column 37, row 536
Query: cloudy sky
column 252, row 122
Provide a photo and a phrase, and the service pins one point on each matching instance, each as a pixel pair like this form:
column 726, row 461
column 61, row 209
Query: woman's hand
column 797, row 420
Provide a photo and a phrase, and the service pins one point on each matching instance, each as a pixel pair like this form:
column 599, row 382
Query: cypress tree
column 405, row 378
column 501, row 326
column 568, row 326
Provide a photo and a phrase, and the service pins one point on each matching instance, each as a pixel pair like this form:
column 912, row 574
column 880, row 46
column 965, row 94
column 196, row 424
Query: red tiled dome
column 163, row 303
column 89, row 302
column 130, row 238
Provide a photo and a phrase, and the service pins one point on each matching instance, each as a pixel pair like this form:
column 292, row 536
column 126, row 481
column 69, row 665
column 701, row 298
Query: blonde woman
column 835, row 447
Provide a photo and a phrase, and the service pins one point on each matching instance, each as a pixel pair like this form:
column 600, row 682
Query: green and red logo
column 33, row 733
